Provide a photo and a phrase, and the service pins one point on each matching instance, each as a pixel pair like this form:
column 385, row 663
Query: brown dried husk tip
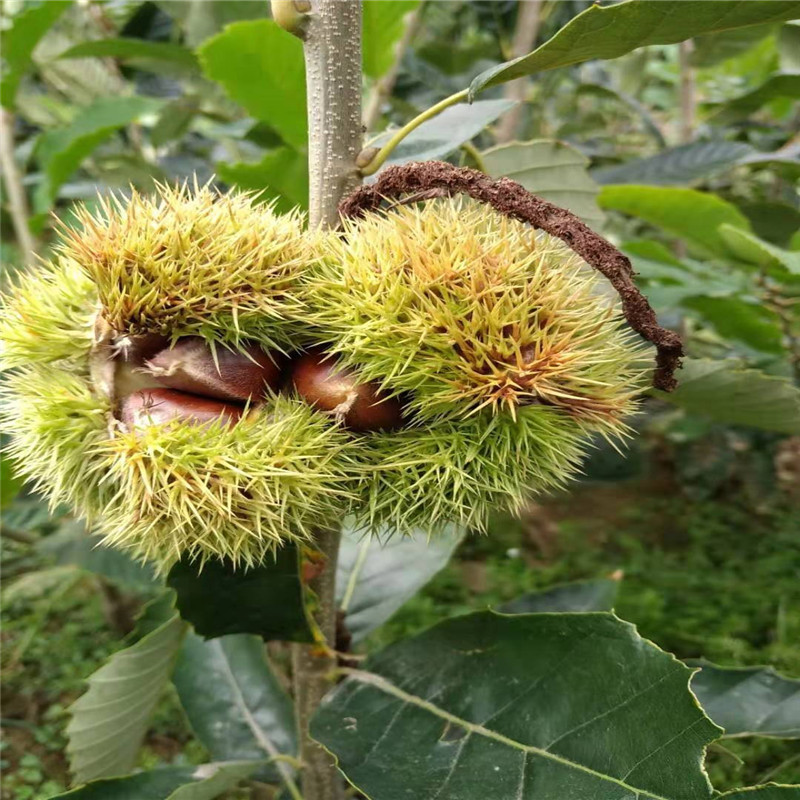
column 431, row 179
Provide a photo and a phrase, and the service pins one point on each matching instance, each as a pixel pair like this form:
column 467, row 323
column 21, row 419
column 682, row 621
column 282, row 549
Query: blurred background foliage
column 684, row 155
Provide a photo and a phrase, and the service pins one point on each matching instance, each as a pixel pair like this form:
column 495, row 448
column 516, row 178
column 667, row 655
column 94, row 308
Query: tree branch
column 17, row 202
column 332, row 44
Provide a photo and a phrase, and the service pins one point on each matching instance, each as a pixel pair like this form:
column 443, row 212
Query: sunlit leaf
column 753, row 701
column 727, row 392
column 551, row 169
column 687, row 213
column 377, row 574
column 261, row 66
column 110, row 720
column 751, row 248
column 383, row 24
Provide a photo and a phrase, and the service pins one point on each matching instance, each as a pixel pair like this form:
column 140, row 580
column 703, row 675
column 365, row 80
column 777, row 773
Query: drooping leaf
column 266, row 600
column 754, row 701
column 110, row 720
column 261, row 66
column 204, row 782
column 446, row 132
column 281, row 174
column 726, row 392
column 677, row 166
column 138, row 52
column 611, row 31
column 754, row 250
column 383, row 25
column 529, row 706
column 18, row 41
column 786, row 85
column 247, row 714
column 62, row 150
column 741, row 320
column 769, row 791
column 551, row 169
column 595, row 595
column 73, row 546
column 377, row 574
column 692, row 215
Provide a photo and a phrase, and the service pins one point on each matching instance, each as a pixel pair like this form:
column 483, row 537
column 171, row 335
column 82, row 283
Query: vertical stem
column 687, row 91
column 527, row 29
column 12, row 180
column 332, row 43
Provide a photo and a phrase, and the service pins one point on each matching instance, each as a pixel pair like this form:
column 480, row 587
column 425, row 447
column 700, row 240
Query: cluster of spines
column 463, row 308
column 192, row 261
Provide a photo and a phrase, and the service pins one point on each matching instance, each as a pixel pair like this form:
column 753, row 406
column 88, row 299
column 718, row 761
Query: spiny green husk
column 462, row 308
column 48, row 316
column 193, row 262
column 177, row 490
column 461, row 469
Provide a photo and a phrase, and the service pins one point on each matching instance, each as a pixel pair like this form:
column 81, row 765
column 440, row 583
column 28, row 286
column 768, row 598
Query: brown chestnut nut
column 189, row 366
column 323, row 383
column 158, row 406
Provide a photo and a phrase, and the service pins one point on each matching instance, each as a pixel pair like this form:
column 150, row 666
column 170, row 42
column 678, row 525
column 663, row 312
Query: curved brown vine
column 430, row 179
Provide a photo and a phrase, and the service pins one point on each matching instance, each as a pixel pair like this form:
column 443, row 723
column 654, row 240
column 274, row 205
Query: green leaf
column 612, row 31
column 110, row 720
column 200, row 19
column 204, row 782
column 173, row 121
column 528, row 706
column 785, row 85
column 247, row 714
column 727, row 392
column 281, row 175
column 775, row 222
column 73, row 546
column 10, row 484
column 446, row 132
column 266, row 600
column 18, row 41
column 741, row 320
column 383, row 24
column 62, row 150
column 754, row 701
column 770, row 791
column 717, row 47
column 677, row 165
column 377, row 574
column 754, row 250
column 139, row 52
column 596, row 595
column 687, row 213
column 789, row 47
column 261, row 66
column 551, row 169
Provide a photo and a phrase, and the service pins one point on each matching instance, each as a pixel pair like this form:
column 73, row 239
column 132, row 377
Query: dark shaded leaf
column 266, row 600
column 204, row 782
column 529, row 706
column 247, row 714
column 596, row 595
column 612, row 31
